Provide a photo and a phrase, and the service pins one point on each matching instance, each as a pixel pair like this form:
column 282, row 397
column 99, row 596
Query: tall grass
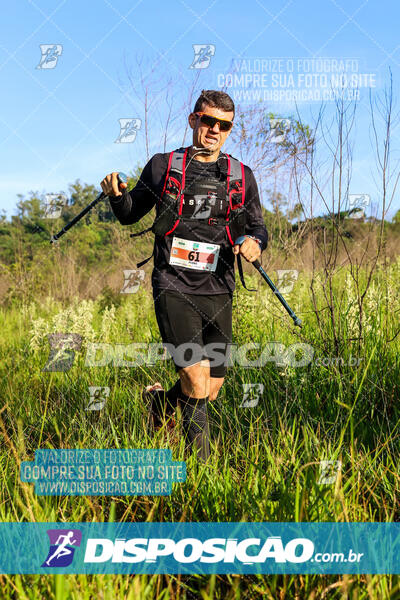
column 265, row 462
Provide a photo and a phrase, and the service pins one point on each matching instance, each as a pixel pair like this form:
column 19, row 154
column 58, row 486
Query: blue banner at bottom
column 200, row 548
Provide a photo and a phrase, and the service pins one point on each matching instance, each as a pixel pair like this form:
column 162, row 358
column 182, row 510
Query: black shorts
column 195, row 327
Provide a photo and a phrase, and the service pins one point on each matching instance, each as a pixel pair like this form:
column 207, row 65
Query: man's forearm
column 132, row 206
column 122, row 208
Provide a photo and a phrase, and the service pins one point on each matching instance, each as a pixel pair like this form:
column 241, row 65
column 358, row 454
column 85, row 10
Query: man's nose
column 215, row 126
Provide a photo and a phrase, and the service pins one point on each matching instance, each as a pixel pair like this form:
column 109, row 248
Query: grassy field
column 265, row 463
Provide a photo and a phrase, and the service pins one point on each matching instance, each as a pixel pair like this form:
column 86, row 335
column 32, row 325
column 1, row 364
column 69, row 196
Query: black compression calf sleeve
column 195, row 424
column 164, row 403
column 174, row 393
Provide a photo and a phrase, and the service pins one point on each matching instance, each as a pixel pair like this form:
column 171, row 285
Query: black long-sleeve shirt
column 132, row 206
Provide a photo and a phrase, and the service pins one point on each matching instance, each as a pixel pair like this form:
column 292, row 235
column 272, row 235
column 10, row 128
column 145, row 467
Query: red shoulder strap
column 167, row 174
column 235, row 172
column 182, row 184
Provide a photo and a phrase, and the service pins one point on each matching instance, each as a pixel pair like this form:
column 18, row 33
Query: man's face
column 205, row 136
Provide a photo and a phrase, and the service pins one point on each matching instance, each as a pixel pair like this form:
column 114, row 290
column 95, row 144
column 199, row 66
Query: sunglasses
column 211, row 121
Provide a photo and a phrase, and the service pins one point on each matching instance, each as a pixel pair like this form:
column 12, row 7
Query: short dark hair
column 216, row 99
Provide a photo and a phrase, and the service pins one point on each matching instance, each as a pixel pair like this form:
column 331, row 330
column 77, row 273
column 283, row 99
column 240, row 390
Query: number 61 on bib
column 201, row 256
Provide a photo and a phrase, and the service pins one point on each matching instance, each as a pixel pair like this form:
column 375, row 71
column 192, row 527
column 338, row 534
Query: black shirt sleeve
column 255, row 223
column 132, row 206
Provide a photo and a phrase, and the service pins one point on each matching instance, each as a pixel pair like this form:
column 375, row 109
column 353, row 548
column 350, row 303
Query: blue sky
column 60, row 124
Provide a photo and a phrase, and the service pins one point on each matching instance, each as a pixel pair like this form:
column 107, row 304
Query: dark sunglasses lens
column 207, row 120
column 210, row 122
column 225, row 125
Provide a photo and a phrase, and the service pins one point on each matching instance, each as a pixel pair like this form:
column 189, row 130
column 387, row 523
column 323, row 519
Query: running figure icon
column 62, row 549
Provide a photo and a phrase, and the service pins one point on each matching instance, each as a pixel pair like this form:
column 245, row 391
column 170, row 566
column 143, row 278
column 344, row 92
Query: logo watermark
column 290, row 80
column 63, row 543
column 50, row 55
column 334, row 361
column 201, row 548
column 329, row 472
column 128, row 130
column 63, row 347
column 286, row 280
column 202, row 55
column 218, row 353
column 53, row 205
column 103, row 472
column 132, row 280
column 62, row 351
column 278, row 130
column 357, row 204
column 359, row 200
column 252, row 392
column 98, row 397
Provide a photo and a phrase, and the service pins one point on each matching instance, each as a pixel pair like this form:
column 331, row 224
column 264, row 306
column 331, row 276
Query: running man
column 204, row 200
column 62, row 550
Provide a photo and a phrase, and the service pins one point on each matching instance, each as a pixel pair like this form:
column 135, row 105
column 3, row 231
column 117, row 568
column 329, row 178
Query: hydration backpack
column 170, row 203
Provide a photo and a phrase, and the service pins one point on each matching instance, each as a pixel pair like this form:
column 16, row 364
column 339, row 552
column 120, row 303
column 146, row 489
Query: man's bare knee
column 195, row 379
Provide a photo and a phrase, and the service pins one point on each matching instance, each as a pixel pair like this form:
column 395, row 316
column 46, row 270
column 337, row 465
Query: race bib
column 201, row 256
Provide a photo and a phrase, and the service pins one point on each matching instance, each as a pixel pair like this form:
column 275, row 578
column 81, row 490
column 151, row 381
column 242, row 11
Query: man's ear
column 192, row 120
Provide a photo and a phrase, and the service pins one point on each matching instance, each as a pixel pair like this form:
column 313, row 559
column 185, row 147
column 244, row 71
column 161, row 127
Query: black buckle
column 212, row 221
column 172, row 188
column 237, row 186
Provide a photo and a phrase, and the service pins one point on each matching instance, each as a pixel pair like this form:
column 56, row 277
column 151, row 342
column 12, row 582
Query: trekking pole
column 277, row 293
column 122, row 179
